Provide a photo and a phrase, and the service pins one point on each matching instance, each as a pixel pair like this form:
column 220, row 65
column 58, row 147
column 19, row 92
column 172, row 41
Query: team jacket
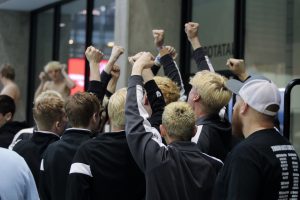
column 103, row 168
column 176, row 171
column 56, row 162
column 213, row 135
column 32, row 150
column 8, row 131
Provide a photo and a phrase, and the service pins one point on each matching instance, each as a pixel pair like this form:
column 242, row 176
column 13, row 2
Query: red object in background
column 76, row 71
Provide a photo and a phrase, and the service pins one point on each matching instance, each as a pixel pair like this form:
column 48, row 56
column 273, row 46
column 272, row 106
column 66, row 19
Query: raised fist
column 158, row 37
column 146, row 60
column 191, row 30
column 115, row 71
column 236, row 66
column 117, row 51
column 132, row 59
column 172, row 51
column 93, row 55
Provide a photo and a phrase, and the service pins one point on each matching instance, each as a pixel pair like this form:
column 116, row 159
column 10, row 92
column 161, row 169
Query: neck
column 251, row 126
column 199, row 112
column 117, row 129
column 6, row 81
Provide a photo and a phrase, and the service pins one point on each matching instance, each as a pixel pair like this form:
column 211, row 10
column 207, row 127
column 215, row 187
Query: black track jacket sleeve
column 144, row 141
column 202, row 60
column 99, row 87
column 172, row 71
column 156, row 101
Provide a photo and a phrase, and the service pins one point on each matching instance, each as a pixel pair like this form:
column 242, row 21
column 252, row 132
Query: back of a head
column 116, row 108
column 170, row 90
column 80, row 108
column 212, row 90
column 48, row 108
column 7, row 71
column 179, row 120
column 7, row 105
column 52, row 65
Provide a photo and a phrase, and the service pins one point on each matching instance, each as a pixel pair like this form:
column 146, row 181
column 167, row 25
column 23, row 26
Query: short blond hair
column 116, row 108
column 169, row 89
column 212, row 91
column 179, row 120
column 48, row 108
column 52, row 65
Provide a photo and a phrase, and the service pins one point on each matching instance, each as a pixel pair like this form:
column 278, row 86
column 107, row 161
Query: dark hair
column 7, row 71
column 7, row 104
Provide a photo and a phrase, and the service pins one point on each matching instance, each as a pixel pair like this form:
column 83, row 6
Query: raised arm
column 69, row 82
column 40, row 89
column 166, row 57
column 237, row 67
column 144, row 140
column 202, row 61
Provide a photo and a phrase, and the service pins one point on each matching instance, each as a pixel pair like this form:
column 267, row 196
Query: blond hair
column 212, row 91
column 116, row 108
column 48, row 108
column 52, row 65
column 169, row 89
column 179, row 120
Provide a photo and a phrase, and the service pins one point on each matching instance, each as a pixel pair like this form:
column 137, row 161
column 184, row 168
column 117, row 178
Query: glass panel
column 44, row 41
column 216, row 32
column 272, row 42
column 72, row 41
column 295, row 118
column 104, row 21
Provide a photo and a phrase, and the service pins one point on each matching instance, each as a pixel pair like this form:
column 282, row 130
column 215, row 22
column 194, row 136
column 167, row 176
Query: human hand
column 191, row 30
column 237, row 67
column 116, row 52
column 42, row 76
column 172, row 51
column 158, row 37
column 146, row 60
column 93, row 55
column 132, row 59
column 115, row 72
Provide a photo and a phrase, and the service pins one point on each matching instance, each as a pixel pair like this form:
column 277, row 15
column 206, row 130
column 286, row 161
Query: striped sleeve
column 144, row 141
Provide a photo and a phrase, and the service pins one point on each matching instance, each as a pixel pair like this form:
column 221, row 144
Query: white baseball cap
column 260, row 94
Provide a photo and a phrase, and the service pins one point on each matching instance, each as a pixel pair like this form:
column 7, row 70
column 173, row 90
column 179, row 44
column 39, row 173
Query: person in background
column 10, row 88
column 59, row 79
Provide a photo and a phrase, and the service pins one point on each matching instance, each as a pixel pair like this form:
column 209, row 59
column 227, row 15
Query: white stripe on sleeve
column 81, row 168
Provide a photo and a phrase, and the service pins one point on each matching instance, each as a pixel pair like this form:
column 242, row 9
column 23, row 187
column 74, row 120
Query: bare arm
column 41, row 87
column 69, row 82
column 115, row 54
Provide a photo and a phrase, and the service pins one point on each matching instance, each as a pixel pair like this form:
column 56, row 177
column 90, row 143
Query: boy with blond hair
column 49, row 116
column 178, row 170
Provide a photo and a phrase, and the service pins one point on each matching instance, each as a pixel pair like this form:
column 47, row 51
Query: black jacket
column 32, row 150
column 214, row 136
column 111, row 173
column 56, row 163
column 8, row 131
column 176, row 171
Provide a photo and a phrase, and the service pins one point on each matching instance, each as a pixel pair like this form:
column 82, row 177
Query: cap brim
column 234, row 85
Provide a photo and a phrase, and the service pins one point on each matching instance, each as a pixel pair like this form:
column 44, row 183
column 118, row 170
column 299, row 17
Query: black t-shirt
column 263, row 166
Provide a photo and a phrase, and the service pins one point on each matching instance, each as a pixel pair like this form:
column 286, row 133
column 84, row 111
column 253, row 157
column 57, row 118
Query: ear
column 146, row 101
column 244, row 108
column 8, row 116
column 163, row 130
column 196, row 98
column 95, row 115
